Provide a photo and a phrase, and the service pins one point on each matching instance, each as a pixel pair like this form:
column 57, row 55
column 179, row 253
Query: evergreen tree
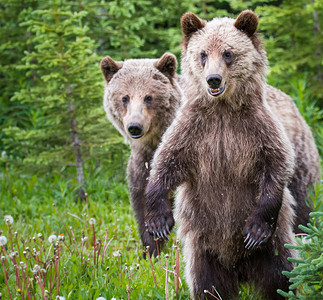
column 306, row 277
column 295, row 39
column 14, row 41
column 69, row 125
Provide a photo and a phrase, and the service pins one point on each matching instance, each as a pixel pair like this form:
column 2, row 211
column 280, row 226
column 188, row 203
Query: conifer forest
column 67, row 228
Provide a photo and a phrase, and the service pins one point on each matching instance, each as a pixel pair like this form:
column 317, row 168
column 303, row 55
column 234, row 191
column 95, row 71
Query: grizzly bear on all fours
column 240, row 152
column 141, row 98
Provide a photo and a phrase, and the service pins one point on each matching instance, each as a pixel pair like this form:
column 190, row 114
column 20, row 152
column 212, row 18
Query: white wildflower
column 36, row 269
column 113, row 298
column 84, row 239
column 306, row 240
column 52, row 238
column 3, row 154
column 40, row 235
column 92, row 221
column 8, row 219
column 3, row 240
column 116, row 253
column 60, row 298
column 100, row 298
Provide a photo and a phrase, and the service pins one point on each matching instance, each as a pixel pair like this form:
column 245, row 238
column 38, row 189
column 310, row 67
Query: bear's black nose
column 135, row 130
column 214, row 81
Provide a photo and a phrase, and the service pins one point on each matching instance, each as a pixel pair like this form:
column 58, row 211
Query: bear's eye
column 228, row 56
column 203, row 56
column 125, row 99
column 148, row 99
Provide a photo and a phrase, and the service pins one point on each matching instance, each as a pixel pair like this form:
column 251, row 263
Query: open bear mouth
column 216, row 92
column 136, row 136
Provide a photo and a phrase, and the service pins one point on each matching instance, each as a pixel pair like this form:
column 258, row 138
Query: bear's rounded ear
column 247, row 22
column 167, row 65
column 109, row 67
column 191, row 23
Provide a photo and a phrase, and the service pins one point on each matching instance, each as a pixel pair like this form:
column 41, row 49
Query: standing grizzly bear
column 140, row 99
column 241, row 154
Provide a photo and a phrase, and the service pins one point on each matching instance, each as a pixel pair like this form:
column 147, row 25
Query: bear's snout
column 214, row 81
column 135, row 130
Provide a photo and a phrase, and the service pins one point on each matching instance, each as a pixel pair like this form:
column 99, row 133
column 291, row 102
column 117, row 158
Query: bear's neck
column 147, row 144
column 250, row 94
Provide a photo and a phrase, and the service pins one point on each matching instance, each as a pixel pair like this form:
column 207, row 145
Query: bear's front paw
column 257, row 232
column 160, row 224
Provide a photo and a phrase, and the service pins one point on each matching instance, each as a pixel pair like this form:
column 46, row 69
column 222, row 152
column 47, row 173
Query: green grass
column 45, row 204
column 29, row 200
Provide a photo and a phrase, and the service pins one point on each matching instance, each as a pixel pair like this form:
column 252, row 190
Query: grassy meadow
column 59, row 247
column 97, row 251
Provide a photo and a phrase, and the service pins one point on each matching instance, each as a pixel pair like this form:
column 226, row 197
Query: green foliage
column 13, row 44
column 65, row 95
column 294, row 40
column 306, row 277
column 134, row 29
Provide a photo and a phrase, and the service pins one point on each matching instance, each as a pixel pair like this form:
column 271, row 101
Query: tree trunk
column 73, row 123
column 77, row 153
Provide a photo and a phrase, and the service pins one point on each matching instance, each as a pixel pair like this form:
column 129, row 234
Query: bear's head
column 222, row 58
column 141, row 95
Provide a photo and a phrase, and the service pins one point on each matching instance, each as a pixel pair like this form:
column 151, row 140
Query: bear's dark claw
column 257, row 232
column 160, row 223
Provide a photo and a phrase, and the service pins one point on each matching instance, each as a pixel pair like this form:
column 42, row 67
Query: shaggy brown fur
column 237, row 150
column 141, row 97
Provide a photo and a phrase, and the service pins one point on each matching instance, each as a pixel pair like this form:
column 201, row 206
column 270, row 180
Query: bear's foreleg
column 139, row 206
column 277, row 168
column 262, row 223
column 170, row 168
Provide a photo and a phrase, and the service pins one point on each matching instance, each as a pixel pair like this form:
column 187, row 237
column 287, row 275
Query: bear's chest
column 229, row 149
